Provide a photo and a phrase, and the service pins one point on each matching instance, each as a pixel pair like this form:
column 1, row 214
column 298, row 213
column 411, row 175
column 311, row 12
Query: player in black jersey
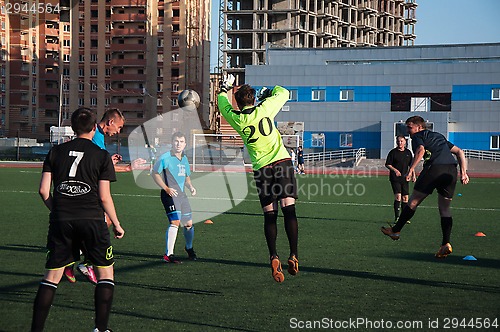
column 439, row 172
column 81, row 174
column 398, row 162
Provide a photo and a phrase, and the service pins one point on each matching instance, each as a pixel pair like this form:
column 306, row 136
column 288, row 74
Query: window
column 81, row 86
column 175, row 42
column 408, row 102
column 93, row 87
column 175, row 87
column 317, row 140
column 93, row 101
column 93, row 71
column 66, row 28
column 400, row 129
column 495, row 142
column 175, row 57
column 318, row 94
column 293, row 95
column 93, row 43
column 93, row 57
column 285, row 108
column 66, row 42
column 347, row 95
column 80, row 101
column 81, row 58
column 345, row 140
column 495, row 94
column 66, row 57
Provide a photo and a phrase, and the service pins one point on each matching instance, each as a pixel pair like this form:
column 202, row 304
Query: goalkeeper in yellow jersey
column 272, row 167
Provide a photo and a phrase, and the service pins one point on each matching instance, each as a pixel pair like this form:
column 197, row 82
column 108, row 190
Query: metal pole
column 18, row 155
column 324, row 152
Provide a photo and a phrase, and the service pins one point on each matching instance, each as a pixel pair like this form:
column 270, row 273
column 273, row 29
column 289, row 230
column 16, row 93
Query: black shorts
column 400, row 187
column 443, row 178
column 65, row 239
column 177, row 208
column 275, row 181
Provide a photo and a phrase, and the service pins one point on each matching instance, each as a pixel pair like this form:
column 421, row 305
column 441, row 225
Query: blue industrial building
column 360, row 97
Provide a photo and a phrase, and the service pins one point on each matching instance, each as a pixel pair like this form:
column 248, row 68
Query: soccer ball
column 188, row 98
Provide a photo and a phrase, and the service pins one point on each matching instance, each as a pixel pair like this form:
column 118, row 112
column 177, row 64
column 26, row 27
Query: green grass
column 349, row 270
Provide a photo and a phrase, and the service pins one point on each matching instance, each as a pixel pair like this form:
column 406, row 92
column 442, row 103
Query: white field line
column 256, row 200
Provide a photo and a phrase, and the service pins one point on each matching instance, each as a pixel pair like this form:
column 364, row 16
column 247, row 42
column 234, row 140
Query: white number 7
column 79, row 156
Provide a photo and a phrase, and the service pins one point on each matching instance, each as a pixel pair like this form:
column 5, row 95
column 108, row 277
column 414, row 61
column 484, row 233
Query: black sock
column 291, row 228
column 406, row 215
column 271, row 231
column 396, row 209
column 446, row 225
column 43, row 301
column 103, row 298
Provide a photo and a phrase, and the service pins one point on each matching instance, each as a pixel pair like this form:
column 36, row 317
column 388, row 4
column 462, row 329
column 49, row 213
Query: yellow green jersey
column 255, row 124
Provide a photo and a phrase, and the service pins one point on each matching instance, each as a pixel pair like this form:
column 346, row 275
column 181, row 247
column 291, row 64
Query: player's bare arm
column 109, row 207
column 190, row 186
column 419, row 154
column 159, row 181
column 462, row 163
column 44, row 189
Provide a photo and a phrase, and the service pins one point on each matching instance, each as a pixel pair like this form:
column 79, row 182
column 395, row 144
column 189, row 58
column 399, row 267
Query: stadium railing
column 482, row 155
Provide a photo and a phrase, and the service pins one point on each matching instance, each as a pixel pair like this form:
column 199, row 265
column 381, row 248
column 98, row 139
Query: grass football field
column 351, row 276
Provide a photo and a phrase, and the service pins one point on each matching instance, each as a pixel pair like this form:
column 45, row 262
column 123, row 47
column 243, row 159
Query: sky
column 438, row 22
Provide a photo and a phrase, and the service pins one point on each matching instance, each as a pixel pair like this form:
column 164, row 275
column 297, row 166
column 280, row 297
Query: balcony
column 129, row 77
column 128, row 17
column 126, row 92
column 128, row 47
column 128, row 32
column 129, row 3
column 128, row 63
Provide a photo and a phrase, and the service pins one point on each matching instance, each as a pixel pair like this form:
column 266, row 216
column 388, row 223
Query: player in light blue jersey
column 172, row 174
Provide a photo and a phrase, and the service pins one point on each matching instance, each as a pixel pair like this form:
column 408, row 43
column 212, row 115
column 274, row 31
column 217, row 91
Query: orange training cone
column 208, row 221
column 479, row 234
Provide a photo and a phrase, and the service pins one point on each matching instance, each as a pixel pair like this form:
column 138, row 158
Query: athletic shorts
column 443, row 178
column 400, row 187
column 177, row 208
column 66, row 237
column 275, row 181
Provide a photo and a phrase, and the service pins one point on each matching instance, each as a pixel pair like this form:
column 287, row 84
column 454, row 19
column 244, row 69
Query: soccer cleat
column 444, row 251
column 191, row 254
column 388, row 231
column 68, row 273
column 293, row 265
column 171, row 259
column 277, row 271
column 97, row 330
column 88, row 271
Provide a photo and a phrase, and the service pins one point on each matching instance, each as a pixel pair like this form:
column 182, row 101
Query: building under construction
column 251, row 26
column 134, row 55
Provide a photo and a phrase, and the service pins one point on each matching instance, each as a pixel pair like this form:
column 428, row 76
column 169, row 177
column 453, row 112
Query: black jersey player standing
column 81, row 173
column 398, row 162
column 439, row 172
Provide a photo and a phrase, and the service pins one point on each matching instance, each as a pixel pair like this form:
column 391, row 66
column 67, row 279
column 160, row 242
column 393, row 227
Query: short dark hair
column 111, row 114
column 401, row 136
column 245, row 96
column 418, row 120
column 83, row 120
column 177, row 134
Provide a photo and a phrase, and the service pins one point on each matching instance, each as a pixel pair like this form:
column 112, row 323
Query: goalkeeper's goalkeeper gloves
column 263, row 93
column 227, row 82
